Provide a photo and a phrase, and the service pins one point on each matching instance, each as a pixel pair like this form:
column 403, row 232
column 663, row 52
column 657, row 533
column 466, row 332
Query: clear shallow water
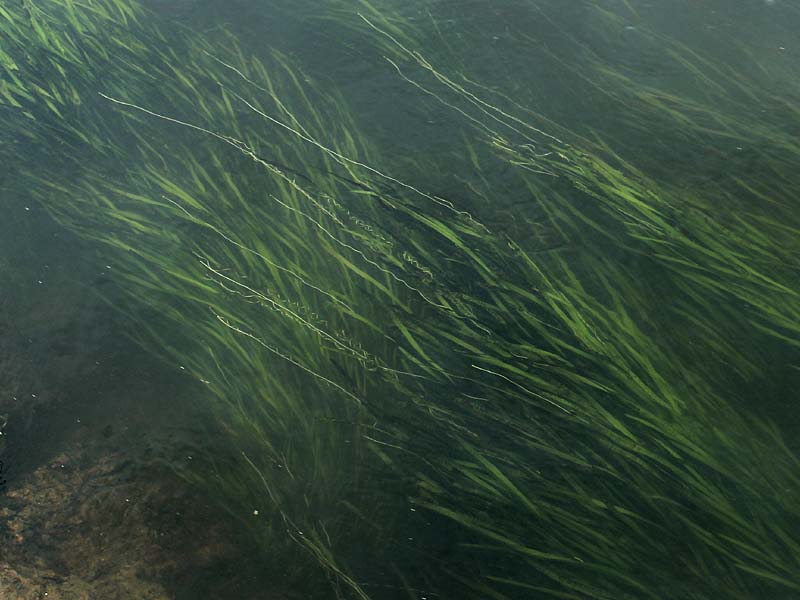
column 407, row 500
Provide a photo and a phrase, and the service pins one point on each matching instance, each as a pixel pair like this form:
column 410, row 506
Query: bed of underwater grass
column 530, row 388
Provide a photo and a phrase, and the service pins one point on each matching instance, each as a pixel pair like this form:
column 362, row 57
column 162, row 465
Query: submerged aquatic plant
column 376, row 347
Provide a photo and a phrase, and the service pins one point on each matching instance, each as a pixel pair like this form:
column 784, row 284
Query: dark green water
column 347, row 399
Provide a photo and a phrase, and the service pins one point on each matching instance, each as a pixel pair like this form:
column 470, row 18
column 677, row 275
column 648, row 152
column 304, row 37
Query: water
column 447, row 300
